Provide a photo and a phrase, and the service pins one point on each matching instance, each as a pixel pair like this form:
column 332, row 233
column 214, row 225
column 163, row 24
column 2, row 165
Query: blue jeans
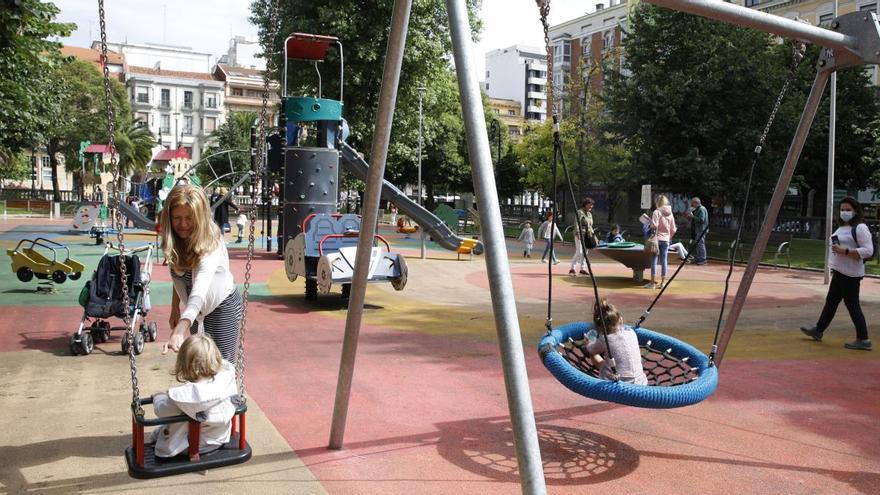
column 664, row 250
column 552, row 253
column 700, row 256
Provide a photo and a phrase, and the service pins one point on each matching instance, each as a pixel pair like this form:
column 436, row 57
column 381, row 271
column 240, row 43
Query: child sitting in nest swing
column 623, row 342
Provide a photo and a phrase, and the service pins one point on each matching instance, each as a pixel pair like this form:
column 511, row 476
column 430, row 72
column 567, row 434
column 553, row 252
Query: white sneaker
column 650, row 285
column 556, row 262
column 543, row 260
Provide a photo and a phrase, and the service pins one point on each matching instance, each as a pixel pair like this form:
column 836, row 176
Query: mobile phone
column 835, row 240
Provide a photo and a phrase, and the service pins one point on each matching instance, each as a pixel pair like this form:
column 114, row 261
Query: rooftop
column 206, row 76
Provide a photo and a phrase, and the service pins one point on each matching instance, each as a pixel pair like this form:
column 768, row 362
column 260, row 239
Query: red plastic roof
column 168, row 155
column 303, row 46
column 98, row 148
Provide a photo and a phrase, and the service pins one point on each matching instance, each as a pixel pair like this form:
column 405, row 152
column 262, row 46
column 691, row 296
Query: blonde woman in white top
column 851, row 245
column 199, row 265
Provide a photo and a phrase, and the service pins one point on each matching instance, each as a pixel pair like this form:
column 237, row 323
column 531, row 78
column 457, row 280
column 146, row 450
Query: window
column 254, row 93
column 497, row 111
column 143, row 94
column 752, row 3
column 608, row 39
column 587, row 46
column 165, row 124
column 143, row 117
column 165, row 101
column 46, row 168
column 825, row 18
column 237, row 92
column 187, row 125
column 211, row 101
column 487, row 86
column 511, row 112
column 871, row 7
column 210, row 124
column 487, row 74
column 188, row 99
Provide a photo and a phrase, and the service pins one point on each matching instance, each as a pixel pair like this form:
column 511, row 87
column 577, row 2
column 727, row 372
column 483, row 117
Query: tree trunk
column 429, row 193
column 52, row 150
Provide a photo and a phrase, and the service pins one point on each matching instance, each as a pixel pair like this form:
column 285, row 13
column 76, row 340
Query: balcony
column 542, row 81
column 534, row 109
column 165, row 105
column 187, row 105
column 537, row 95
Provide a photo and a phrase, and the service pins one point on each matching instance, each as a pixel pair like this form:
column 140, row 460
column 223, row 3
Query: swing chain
column 117, row 213
column 797, row 56
column 256, row 176
column 544, row 8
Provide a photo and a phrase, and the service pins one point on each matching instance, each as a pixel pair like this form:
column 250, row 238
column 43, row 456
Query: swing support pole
column 519, row 401
column 378, row 155
column 794, row 153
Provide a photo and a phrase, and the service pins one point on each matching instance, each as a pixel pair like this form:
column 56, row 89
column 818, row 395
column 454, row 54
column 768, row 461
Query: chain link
column 256, row 176
column 797, row 56
column 544, row 8
column 117, row 213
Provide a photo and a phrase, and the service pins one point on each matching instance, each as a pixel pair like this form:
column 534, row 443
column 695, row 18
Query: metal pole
column 421, row 92
column 829, row 200
column 370, row 212
column 794, row 152
column 762, row 21
column 519, row 400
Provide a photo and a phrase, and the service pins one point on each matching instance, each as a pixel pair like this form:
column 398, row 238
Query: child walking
column 528, row 237
column 547, row 230
column 623, row 342
column 241, row 223
column 208, row 386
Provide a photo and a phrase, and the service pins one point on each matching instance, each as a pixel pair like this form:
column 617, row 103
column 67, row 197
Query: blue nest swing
column 678, row 373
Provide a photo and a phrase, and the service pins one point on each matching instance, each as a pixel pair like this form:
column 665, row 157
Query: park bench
column 779, row 244
column 29, row 204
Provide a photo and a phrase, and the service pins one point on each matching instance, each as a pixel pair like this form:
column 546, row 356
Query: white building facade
column 173, row 91
column 519, row 73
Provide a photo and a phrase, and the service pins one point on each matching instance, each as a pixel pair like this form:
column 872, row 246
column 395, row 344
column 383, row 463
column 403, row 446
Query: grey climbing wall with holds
column 311, row 183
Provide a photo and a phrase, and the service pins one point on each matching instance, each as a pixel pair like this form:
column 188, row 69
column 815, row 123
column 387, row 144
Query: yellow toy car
column 27, row 262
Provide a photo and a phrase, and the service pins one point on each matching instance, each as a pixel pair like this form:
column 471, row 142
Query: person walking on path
column 545, row 231
column 699, row 221
column 527, row 236
column 851, row 244
column 199, row 266
column 663, row 225
column 584, row 227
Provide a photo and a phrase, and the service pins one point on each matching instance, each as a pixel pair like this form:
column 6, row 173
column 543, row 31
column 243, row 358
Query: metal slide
column 140, row 221
column 434, row 227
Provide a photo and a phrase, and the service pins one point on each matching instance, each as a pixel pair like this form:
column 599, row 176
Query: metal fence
column 42, row 194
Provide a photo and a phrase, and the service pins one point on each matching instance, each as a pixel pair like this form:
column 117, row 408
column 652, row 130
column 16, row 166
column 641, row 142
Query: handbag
column 589, row 241
column 651, row 245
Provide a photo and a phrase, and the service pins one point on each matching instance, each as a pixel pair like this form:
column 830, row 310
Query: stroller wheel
column 138, row 342
column 87, row 344
column 125, row 343
column 152, row 331
column 74, row 346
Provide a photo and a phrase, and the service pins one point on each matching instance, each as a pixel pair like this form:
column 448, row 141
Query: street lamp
column 421, row 90
column 176, row 129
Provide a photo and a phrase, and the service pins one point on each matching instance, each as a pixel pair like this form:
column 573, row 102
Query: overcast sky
column 207, row 25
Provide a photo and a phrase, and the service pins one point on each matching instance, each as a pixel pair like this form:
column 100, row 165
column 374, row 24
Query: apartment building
column 508, row 112
column 172, row 89
column 816, row 12
column 581, row 45
column 243, row 90
column 519, row 73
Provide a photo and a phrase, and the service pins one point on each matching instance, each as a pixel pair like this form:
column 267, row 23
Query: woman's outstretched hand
column 178, row 335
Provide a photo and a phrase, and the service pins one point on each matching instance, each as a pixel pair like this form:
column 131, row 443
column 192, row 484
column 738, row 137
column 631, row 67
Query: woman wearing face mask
column 851, row 245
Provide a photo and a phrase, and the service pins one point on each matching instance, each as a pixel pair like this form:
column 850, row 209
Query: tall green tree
column 28, row 59
column 233, row 135
column 363, row 31
column 81, row 114
column 694, row 97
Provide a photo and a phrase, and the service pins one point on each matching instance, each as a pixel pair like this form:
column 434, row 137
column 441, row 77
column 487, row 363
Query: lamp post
column 176, row 129
column 421, row 90
column 829, row 201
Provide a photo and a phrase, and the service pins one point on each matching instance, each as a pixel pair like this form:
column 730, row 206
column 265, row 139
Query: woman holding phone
column 851, row 244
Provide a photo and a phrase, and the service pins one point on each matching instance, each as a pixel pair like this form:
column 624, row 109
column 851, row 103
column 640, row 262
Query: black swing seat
column 144, row 464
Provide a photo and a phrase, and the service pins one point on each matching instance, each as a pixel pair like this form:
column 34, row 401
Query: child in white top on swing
column 624, row 346
column 205, row 396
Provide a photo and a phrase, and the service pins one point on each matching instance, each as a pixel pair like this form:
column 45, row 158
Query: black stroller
column 102, row 299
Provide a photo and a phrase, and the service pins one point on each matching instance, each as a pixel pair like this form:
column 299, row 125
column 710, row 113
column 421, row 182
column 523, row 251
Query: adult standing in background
column 584, row 227
column 699, row 217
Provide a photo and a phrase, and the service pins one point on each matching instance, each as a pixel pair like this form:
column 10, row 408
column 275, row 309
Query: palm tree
column 134, row 144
